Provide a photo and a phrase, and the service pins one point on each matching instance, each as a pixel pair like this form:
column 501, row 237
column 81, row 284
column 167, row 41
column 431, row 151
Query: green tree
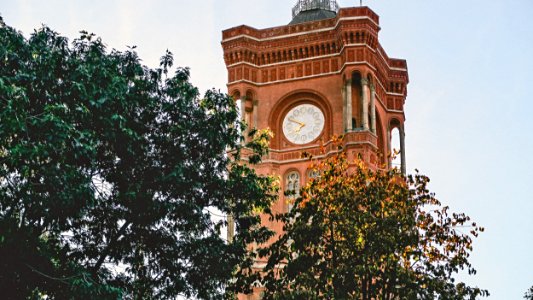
column 111, row 173
column 355, row 233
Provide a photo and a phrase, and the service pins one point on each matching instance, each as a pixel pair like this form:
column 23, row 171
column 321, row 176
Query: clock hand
column 293, row 120
column 297, row 130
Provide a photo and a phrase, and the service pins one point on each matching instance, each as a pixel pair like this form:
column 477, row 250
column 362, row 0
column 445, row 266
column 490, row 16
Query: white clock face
column 303, row 124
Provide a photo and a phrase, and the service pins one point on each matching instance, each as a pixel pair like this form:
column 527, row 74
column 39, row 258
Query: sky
column 468, row 110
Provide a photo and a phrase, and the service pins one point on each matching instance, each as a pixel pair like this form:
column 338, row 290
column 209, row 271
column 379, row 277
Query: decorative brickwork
column 336, row 65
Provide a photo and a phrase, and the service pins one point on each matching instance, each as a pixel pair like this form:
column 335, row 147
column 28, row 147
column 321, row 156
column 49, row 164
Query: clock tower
column 324, row 74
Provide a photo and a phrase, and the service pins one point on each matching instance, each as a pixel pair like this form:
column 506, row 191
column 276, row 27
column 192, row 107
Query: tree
column 355, row 233
column 111, row 174
column 529, row 294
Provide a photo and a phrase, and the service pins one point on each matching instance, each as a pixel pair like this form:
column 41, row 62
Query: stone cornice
column 344, row 14
column 291, row 35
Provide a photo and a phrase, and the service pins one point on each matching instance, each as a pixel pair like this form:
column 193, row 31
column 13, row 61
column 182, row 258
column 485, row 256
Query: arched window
column 395, row 148
column 292, row 187
column 357, row 100
column 313, row 173
column 248, row 110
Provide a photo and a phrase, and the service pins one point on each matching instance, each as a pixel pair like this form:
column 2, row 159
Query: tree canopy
column 111, row 173
column 529, row 294
column 355, row 233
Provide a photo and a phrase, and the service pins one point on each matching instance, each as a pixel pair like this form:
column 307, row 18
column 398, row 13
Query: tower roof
column 313, row 10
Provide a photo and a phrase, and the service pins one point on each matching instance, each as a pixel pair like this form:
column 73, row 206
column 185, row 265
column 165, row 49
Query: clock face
column 303, row 124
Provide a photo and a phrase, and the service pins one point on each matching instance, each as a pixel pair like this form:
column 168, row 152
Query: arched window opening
column 357, row 100
column 237, row 98
column 396, row 161
column 249, row 110
column 236, row 95
column 313, row 174
column 292, row 188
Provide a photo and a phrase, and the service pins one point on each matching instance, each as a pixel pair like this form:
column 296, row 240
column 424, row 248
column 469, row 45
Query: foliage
column 355, row 233
column 529, row 294
column 110, row 172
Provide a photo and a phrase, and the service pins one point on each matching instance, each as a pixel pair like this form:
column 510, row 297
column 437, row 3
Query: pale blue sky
column 468, row 107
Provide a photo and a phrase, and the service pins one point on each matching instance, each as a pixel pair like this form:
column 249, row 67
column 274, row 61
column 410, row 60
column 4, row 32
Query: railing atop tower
column 303, row 5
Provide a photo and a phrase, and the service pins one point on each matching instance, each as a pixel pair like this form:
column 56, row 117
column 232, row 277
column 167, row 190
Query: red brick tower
column 323, row 74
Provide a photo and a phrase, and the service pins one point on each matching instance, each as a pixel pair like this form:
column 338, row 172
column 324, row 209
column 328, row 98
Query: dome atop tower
column 313, row 10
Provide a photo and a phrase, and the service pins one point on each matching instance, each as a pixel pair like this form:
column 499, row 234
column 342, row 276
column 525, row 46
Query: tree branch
column 63, row 280
column 110, row 246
